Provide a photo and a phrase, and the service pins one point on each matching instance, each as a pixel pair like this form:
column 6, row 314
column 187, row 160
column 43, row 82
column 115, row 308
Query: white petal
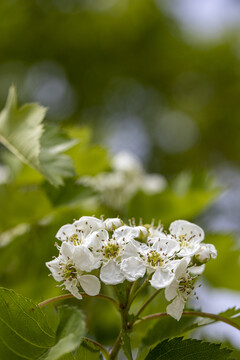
column 54, row 267
column 111, row 273
column 84, row 259
column 175, row 309
column 196, row 270
column 67, row 250
column 171, row 291
column 96, row 239
column 130, row 250
column 88, row 224
column 182, row 268
column 90, row 284
column 161, row 278
column 166, row 245
column 189, row 250
column 73, row 288
column 187, row 229
column 133, row 268
column 65, row 232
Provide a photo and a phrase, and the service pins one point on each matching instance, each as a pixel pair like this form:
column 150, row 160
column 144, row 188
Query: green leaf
column 165, row 328
column 178, row 349
column 24, row 332
column 22, row 133
column 232, row 314
column 126, row 346
column 87, row 351
column 69, row 332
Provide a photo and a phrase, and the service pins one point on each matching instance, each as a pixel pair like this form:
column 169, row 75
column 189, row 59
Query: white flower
column 111, row 250
column 64, row 268
column 126, row 162
column 205, row 253
column 181, row 287
column 78, row 232
column 139, row 258
column 112, row 224
column 127, row 177
column 153, row 184
column 188, row 235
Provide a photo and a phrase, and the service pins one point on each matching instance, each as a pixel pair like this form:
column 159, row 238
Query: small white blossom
column 80, row 230
column 63, row 268
column 181, row 287
column 111, row 249
column 188, row 235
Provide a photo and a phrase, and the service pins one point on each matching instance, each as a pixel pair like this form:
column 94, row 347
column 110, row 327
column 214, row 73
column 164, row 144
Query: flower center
column 69, row 271
column 111, row 250
column 186, row 285
column 154, row 259
column 75, row 240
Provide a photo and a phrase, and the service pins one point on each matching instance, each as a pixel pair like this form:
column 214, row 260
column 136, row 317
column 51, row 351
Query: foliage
column 22, row 132
column 187, row 349
column 36, row 203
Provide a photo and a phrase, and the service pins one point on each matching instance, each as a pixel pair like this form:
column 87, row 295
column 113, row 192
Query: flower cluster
column 170, row 261
column 126, row 178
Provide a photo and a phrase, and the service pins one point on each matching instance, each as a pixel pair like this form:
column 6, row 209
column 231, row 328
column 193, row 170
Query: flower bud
column 112, row 224
column 205, row 253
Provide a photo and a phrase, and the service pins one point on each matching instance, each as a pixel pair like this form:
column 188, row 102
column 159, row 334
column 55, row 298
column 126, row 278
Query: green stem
column 116, row 347
column 132, row 291
column 192, row 313
column 70, row 296
column 145, row 283
column 101, row 347
column 143, row 307
column 123, row 309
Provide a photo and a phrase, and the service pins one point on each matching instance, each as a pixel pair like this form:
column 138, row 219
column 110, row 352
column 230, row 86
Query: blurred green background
column 160, row 79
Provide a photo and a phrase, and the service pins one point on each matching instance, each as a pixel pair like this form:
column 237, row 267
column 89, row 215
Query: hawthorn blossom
column 156, row 259
column 188, row 235
column 181, row 287
column 127, row 177
column 78, row 232
column 120, row 252
column 70, row 267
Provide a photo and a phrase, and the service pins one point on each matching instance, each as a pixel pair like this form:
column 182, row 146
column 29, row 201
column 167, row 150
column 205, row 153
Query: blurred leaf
column 126, row 346
column 87, row 351
column 22, row 132
column 178, row 349
column 69, row 194
column 168, row 205
column 24, row 332
column 88, row 159
column 67, row 357
column 22, row 205
column 70, row 330
column 227, row 262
